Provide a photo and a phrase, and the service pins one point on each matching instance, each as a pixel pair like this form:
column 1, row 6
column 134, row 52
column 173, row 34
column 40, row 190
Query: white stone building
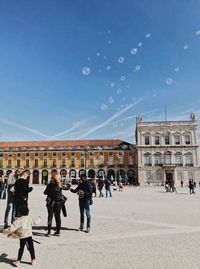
column 167, row 150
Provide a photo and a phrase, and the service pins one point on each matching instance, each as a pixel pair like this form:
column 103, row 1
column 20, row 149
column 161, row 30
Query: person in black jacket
column 21, row 191
column 84, row 191
column 54, row 202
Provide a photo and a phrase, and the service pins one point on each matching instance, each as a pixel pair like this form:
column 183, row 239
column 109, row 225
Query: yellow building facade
column 115, row 159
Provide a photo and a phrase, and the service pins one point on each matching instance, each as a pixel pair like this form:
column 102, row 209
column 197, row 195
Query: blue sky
column 85, row 69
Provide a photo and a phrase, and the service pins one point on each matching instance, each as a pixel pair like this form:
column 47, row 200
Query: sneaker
column 88, row 230
column 5, row 226
column 80, row 228
column 48, row 234
column 57, row 233
column 33, row 262
column 16, row 263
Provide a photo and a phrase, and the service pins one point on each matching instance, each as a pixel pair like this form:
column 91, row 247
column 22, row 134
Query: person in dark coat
column 54, row 202
column 100, row 187
column 108, row 187
column 84, row 191
column 21, row 190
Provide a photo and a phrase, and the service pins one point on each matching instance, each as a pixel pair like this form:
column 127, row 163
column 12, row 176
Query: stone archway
column 1, row 173
column 111, row 174
column 91, row 173
column 45, row 175
column 36, row 174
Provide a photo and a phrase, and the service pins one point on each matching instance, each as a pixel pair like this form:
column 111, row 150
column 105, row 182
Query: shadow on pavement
column 4, row 259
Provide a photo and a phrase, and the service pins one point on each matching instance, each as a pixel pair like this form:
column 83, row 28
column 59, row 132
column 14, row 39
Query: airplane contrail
column 116, row 115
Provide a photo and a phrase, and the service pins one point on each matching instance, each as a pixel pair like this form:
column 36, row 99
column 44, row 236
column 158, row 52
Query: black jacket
column 21, row 189
column 86, row 187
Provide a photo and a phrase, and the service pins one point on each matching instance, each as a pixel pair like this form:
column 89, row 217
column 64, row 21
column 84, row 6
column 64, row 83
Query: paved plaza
column 138, row 228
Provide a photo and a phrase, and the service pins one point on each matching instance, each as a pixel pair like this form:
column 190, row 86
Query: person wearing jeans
column 108, row 187
column 10, row 197
column 84, row 191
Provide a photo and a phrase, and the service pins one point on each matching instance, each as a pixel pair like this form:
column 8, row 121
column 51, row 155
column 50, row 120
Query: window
column 1, row 155
column 101, row 158
column 63, row 154
column 54, row 162
column 82, row 161
column 1, row 163
column 10, row 155
column 148, row 174
column 63, row 162
column 91, row 160
column 121, row 160
column 45, row 154
column 27, row 154
column 158, row 175
column 36, row 162
column 111, row 161
column 72, row 153
column 130, row 153
column 72, row 162
column 45, row 163
column 187, row 140
column 157, row 140
column 190, row 175
column 91, row 153
column 178, row 159
column 10, row 163
column 167, row 158
column 177, row 140
column 189, row 160
column 167, row 140
column 54, row 154
column 110, row 153
column 83, row 153
column 121, row 154
column 18, row 163
column 146, row 140
column 19, row 155
column 130, row 160
column 180, row 176
column 147, row 159
column 157, row 159
column 36, row 154
column 27, row 162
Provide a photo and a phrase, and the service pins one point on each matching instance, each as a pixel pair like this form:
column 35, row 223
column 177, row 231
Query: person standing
column 21, row 190
column 181, row 183
column 100, row 187
column 22, row 229
column 54, row 202
column 2, row 188
column 191, row 186
column 10, row 197
column 84, row 191
column 108, row 187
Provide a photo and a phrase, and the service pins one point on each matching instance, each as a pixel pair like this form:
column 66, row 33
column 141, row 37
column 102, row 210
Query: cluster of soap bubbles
column 121, row 60
column 169, row 81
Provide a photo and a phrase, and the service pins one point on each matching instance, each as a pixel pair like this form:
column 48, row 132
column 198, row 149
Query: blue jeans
column 2, row 190
column 108, row 191
column 10, row 204
column 84, row 206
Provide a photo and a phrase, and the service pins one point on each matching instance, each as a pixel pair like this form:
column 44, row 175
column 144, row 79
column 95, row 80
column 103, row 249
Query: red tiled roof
column 64, row 143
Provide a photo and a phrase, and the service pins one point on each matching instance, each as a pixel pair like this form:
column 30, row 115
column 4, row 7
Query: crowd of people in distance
column 15, row 187
column 170, row 186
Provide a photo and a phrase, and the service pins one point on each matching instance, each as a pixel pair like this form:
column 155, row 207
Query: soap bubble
column 134, row 51
column 121, row 60
column 140, row 44
column 109, row 42
column 108, row 67
column 176, row 69
column 169, row 81
column 119, row 91
column 186, row 47
column 122, row 78
column 98, row 54
column 112, row 84
column 111, row 100
column 86, row 71
column 104, row 107
column 148, row 35
column 198, row 32
column 138, row 68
